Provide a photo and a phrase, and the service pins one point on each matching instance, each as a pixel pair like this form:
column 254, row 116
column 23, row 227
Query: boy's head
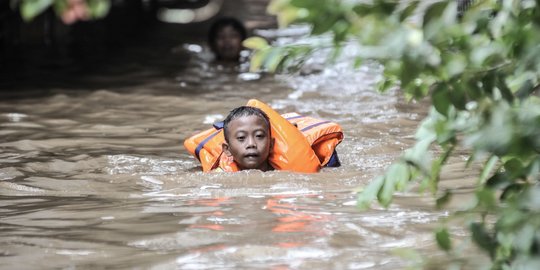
column 225, row 38
column 247, row 138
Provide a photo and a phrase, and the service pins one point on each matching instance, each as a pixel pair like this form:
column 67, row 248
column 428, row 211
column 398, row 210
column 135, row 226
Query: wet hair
column 220, row 24
column 243, row 111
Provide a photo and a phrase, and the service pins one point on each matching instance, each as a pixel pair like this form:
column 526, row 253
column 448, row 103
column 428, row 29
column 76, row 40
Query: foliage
column 481, row 68
column 69, row 10
column 272, row 58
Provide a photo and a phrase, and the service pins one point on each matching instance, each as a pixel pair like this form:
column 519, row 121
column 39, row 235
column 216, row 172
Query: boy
column 257, row 137
column 247, row 138
column 225, row 39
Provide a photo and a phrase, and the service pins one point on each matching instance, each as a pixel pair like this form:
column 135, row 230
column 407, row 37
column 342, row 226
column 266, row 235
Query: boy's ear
column 225, row 148
column 272, row 141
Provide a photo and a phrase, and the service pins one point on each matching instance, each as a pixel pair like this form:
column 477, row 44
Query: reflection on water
column 99, row 179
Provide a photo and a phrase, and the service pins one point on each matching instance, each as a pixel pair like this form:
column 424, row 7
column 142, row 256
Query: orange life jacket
column 301, row 143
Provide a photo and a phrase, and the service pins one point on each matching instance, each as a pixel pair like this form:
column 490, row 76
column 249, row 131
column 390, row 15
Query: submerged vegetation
column 479, row 62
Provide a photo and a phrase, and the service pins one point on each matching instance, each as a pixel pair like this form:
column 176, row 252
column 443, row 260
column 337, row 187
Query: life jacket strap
column 200, row 146
column 315, row 125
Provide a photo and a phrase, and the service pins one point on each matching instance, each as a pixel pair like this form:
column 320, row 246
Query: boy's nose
column 251, row 142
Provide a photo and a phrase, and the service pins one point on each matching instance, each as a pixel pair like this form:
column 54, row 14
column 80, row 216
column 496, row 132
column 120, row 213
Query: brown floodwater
column 94, row 175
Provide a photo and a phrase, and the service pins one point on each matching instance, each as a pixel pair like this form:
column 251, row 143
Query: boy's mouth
column 251, row 155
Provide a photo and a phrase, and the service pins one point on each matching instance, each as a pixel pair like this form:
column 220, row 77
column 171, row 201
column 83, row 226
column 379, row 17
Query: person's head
column 247, row 138
column 225, row 38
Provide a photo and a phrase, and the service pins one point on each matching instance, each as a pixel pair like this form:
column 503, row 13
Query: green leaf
column 446, row 134
column 503, row 88
column 513, row 190
column 525, row 90
column 482, row 237
column 324, row 26
column 525, row 238
column 488, row 167
column 255, row 43
column 488, row 82
column 514, row 167
column 499, row 181
column 396, row 176
column 458, row 96
column 387, row 191
column 362, row 9
column 402, row 174
column 470, row 160
column 531, row 199
column 385, row 84
column 534, row 167
column 419, row 157
column 529, row 263
column 409, row 70
column 32, row 8
column 456, row 65
column 409, row 10
column 99, row 8
column 419, row 88
column 473, row 89
column 273, row 59
column 387, row 7
column 434, row 12
column 257, row 59
column 436, row 166
column 426, row 131
column 444, row 199
column 443, row 239
column 287, row 15
column 275, row 6
column 450, row 14
column 366, row 196
column 441, row 99
column 486, row 198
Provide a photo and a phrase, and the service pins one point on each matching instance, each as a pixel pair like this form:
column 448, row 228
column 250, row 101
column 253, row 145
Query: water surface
column 94, row 174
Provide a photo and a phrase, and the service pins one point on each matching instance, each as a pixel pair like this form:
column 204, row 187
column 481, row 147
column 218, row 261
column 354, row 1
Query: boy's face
column 249, row 143
column 228, row 43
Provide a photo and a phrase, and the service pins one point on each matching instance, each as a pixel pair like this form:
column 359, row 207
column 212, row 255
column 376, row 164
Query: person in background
column 225, row 39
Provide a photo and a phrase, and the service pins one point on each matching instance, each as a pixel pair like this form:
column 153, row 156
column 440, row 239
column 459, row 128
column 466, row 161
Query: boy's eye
column 240, row 138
